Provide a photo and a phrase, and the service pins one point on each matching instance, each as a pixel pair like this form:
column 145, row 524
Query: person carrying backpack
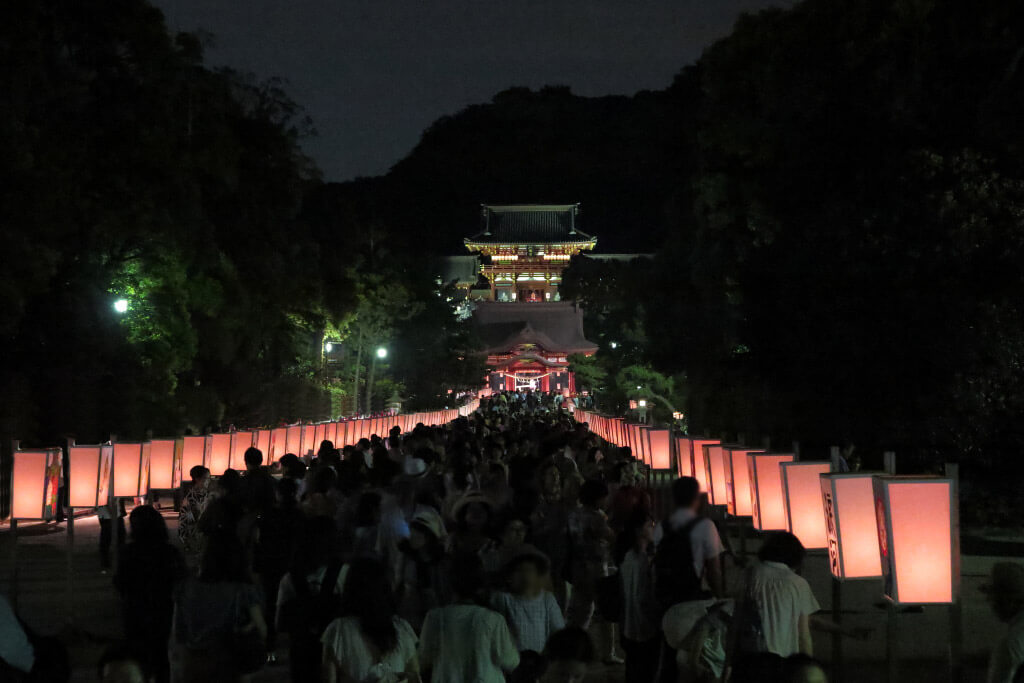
column 687, row 557
column 309, row 598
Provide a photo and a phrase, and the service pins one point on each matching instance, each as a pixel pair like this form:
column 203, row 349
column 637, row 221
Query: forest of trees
column 833, row 196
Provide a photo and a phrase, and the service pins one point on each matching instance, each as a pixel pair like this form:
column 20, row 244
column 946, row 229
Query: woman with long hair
column 218, row 619
column 369, row 642
column 148, row 569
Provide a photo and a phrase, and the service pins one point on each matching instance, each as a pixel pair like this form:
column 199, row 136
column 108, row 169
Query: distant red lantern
column 35, row 479
column 805, row 511
column 918, row 538
column 768, row 509
column 737, row 481
column 848, row 500
column 90, row 475
column 164, row 463
column 131, row 470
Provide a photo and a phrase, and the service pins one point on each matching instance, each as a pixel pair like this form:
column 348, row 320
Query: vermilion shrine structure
column 527, row 331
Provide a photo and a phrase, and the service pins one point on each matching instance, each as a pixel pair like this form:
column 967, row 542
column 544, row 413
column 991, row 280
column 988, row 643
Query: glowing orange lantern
column 309, row 442
column 90, row 475
column 278, row 441
column 131, row 470
column 240, row 443
column 164, row 463
column 319, row 434
column 848, row 500
column 659, row 446
column 737, row 481
column 262, row 442
column 641, row 441
column 218, row 453
column 918, row 538
column 34, row 482
column 714, row 467
column 805, row 512
column 684, row 457
column 767, row 507
column 699, row 465
column 193, row 452
column 293, row 440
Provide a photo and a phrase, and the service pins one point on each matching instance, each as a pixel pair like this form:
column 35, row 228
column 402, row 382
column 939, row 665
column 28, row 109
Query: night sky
column 374, row 73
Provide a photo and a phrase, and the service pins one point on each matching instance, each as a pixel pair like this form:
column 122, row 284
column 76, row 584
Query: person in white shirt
column 784, row 601
column 371, row 642
column 464, row 641
column 705, row 543
column 1006, row 594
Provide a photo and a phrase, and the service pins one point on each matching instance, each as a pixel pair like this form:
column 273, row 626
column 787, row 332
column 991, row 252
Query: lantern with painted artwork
column 131, row 470
column 35, row 479
column 805, row 514
column 737, row 481
column 766, row 496
column 850, row 525
column 918, row 538
column 90, row 475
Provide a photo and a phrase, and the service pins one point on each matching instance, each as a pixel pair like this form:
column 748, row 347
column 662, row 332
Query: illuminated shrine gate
column 527, row 331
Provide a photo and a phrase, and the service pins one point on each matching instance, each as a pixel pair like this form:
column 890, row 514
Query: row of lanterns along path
column 903, row 530
column 124, row 469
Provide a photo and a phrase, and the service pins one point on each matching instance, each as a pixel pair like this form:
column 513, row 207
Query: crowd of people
column 510, row 545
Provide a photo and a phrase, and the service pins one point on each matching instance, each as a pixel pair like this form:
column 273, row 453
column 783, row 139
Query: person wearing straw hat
column 1006, row 595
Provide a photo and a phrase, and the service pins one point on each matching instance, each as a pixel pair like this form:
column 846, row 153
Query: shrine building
column 527, row 331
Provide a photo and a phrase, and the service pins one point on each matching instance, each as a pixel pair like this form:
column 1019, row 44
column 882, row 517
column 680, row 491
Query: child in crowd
column 531, row 611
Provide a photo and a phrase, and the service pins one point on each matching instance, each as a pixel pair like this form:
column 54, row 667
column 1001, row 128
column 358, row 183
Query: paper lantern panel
column 659, row 444
column 164, row 464
column 699, row 465
column 714, row 459
column 684, row 457
column 309, row 442
column 131, row 470
column 85, row 463
column 850, row 524
column 35, row 479
column 218, row 453
column 918, row 539
column 193, row 452
column 240, row 443
column 767, row 507
column 805, row 514
column 262, row 442
column 737, row 481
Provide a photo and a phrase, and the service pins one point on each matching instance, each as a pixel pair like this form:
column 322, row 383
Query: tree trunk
column 355, row 381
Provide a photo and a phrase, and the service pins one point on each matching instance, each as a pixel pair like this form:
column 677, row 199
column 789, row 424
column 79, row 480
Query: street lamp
column 614, row 345
column 121, row 305
column 328, row 347
column 382, row 352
